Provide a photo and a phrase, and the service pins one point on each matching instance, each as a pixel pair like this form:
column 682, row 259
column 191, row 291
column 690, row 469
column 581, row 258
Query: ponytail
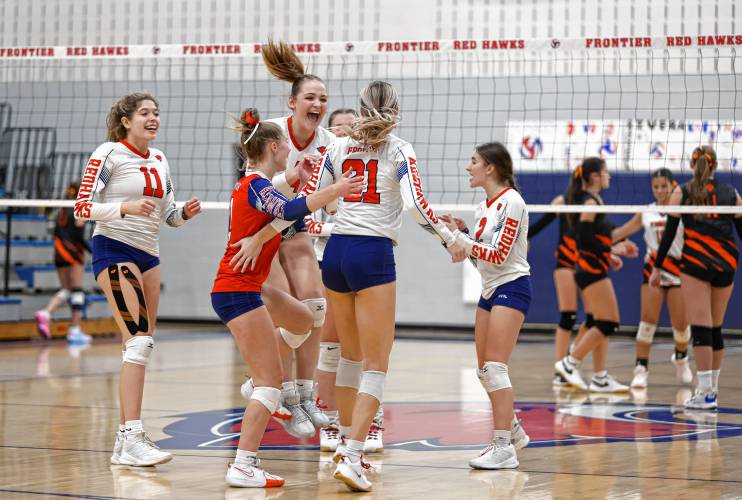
column 579, row 178
column 283, row 63
column 379, row 114
column 703, row 161
column 254, row 134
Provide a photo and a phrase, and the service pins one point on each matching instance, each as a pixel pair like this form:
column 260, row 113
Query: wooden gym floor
column 59, row 411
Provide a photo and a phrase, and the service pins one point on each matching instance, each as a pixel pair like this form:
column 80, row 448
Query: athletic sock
column 704, row 380
column 643, row 362
column 353, row 450
column 502, row 438
column 680, row 354
column 245, row 457
column 715, row 379
column 304, row 388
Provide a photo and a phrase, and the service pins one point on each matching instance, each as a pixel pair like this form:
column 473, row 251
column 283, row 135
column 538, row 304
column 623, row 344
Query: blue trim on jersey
column 514, row 294
column 328, row 165
column 264, row 197
column 402, row 170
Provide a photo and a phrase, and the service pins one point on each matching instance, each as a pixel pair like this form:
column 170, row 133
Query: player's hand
column 143, row 207
column 247, row 255
column 453, row 222
column 655, row 278
column 615, row 262
column 192, row 207
column 626, row 248
column 457, row 252
column 348, row 185
column 305, row 168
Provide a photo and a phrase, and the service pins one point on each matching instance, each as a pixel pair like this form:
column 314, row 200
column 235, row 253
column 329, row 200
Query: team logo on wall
column 467, row 426
column 531, row 147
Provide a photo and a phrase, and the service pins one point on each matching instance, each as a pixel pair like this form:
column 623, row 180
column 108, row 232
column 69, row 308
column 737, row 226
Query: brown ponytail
column 283, row 63
column 495, row 154
column 125, row 107
column 703, row 161
column 379, row 114
column 254, row 134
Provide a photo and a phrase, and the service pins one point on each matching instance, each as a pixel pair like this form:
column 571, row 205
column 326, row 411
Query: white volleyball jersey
column 500, row 241
column 392, row 184
column 319, row 226
column 117, row 172
column 316, row 146
column 654, row 226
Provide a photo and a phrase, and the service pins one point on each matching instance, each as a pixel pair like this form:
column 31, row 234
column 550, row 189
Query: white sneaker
column 117, row 446
column 77, row 336
column 316, row 415
column 138, row 450
column 496, row 457
column 251, row 476
column 641, row 374
column 246, row 390
column 682, row 369
column 559, row 381
column 518, row 437
column 374, row 442
column 706, row 400
column 607, row 384
column 570, row 373
column 352, row 474
column 299, row 425
column 339, row 450
column 329, row 437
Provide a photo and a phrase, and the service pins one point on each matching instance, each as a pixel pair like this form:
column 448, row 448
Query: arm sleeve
column 413, row 198
column 95, row 177
column 586, row 239
column 541, row 224
column 263, row 196
column 503, row 239
column 171, row 214
column 671, row 229
column 738, row 225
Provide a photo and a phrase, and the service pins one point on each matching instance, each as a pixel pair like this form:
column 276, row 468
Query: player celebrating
column 358, row 265
column 652, row 298
column 69, row 256
column 499, row 251
column 596, row 255
column 707, row 267
column 236, row 296
column 126, row 189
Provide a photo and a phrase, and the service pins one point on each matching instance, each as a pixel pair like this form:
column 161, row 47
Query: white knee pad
column 372, row 383
column 247, row 388
column 139, row 349
column 480, row 376
column 681, row 336
column 329, row 356
column 63, row 294
column 270, row 397
column 319, row 309
column 645, row 333
column 77, row 299
column 349, row 373
column 293, row 340
column 495, row 376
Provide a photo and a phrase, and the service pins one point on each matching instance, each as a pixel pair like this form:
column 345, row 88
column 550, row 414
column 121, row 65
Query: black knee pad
column 717, row 341
column 607, row 328
column 702, row 336
column 589, row 321
column 567, row 320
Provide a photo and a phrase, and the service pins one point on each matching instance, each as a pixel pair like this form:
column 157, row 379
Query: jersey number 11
column 148, row 189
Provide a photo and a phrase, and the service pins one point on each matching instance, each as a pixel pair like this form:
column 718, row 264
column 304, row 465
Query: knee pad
column 589, row 320
column 63, row 294
column 270, row 397
column 480, row 376
column 329, row 356
column 77, row 299
column 567, row 320
column 645, row 333
column 607, row 328
column 495, row 376
column 348, row 373
column 138, row 349
column 681, row 336
column 717, row 341
column 702, row 336
column 372, row 383
column 318, row 308
column 293, row 340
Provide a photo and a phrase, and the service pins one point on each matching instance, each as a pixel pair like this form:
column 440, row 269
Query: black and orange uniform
column 69, row 240
column 593, row 246
column 709, row 251
column 566, row 250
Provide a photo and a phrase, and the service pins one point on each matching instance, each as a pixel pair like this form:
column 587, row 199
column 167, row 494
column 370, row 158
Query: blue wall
column 625, row 189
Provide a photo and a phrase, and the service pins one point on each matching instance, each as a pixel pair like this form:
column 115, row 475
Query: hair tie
column 578, row 172
column 696, row 155
column 252, row 133
column 250, row 119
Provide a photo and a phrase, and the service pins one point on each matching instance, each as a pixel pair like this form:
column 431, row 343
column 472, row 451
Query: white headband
column 252, row 133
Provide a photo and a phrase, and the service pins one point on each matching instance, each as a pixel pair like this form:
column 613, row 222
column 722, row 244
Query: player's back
column 378, row 210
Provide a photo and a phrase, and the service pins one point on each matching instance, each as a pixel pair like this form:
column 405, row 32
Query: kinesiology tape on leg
column 118, row 295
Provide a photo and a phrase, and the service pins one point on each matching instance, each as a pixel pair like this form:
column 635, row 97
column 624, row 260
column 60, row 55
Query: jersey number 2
column 371, row 195
column 148, row 189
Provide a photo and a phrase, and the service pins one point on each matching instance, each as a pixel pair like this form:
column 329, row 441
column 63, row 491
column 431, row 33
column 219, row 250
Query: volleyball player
column 597, row 255
column 499, row 251
column 70, row 246
column 707, row 267
column 126, row 189
column 236, row 296
column 358, row 263
column 651, row 297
